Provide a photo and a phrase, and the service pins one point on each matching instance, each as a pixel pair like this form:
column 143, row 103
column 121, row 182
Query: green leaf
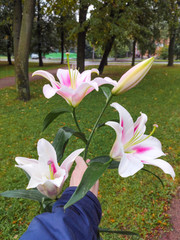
column 91, row 175
column 144, row 169
column 106, row 91
column 118, row 231
column 32, row 194
column 61, row 139
column 53, row 115
column 105, row 159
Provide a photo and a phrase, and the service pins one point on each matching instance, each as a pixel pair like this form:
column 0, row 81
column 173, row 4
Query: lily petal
column 110, row 81
column 49, row 91
column 67, row 163
column 148, row 149
column 81, row 92
column 46, row 153
column 129, row 165
column 139, row 125
column 63, row 76
column 117, row 148
column 126, row 122
column 165, row 166
column 86, row 76
column 45, row 74
column 49, row 189
column 31, row 169
column 23, row 160
column 34, row 182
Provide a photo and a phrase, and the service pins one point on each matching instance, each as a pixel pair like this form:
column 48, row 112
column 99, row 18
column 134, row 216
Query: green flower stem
column 75, row 119
column 95, row 126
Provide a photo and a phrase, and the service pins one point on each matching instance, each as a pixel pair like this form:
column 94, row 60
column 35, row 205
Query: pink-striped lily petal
column 46, row 153
column 49, row 91
column 66, row 93
column 101, row 81
column 126, row 122
column 86, row 76
column 148, row 149
column 129, row 166
column 63, row 76
column 139, row 125
column 81, row 92
column 110, row 81
column 165, row 166
column 46, row 75
column 117, row 148
column 67, row 163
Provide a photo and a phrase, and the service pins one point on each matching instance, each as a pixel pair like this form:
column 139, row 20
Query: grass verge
column 138, row 203
column 8, row 70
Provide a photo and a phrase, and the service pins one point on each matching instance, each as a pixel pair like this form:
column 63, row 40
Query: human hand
column 79, row 172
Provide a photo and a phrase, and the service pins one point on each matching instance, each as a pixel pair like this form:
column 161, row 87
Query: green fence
column 58, row 55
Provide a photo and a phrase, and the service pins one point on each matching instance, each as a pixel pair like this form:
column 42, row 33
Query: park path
column 10, row 81
column 174, row 213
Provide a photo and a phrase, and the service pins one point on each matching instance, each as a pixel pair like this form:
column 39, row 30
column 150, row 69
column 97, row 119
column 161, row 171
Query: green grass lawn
column 137, row 203
column 8, row 70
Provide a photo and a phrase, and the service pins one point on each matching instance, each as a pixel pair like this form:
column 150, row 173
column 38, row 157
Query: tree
column 44, row 33
column 39, row 32
column 171, row 14
column 64, row 20
column 22, row 35
column 144, row 27
column 104, row 32
column 173, row 20
column 6, row 29
column 81, row 38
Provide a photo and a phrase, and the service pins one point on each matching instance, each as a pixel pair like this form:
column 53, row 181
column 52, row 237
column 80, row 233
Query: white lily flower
column 132, row 147
column 45, row 172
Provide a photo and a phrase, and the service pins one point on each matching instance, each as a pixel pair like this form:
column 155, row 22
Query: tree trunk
column 9, row 50
column 134, row 53
column 81, row 37
column 17, row 25
column 39, row 35
column 62, row 46
column 171, row 50
column 21, row 63
column 108, row 48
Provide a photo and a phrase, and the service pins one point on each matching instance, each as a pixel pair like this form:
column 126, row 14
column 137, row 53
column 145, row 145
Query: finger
column 80, row 163
column 88, row 160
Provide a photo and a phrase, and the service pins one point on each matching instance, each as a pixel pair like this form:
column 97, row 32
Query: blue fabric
column 78, row 222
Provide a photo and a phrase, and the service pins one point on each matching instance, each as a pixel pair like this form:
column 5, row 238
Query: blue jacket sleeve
column 78, row 222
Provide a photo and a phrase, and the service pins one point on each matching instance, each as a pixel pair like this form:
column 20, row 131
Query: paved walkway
column 10, row 81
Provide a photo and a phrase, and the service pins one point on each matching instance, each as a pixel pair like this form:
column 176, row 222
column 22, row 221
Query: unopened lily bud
column 132, row 77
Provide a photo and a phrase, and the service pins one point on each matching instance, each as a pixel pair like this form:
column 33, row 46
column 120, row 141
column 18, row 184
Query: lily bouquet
column 132, row 148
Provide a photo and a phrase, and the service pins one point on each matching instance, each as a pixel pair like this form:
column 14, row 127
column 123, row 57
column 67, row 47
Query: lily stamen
column 50, row 163
column 67, row 54
column 133, row 141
